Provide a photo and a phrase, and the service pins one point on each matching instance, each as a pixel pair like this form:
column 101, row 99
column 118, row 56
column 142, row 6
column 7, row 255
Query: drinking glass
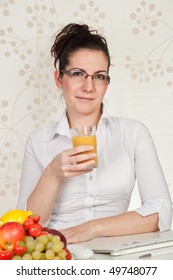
column 85, row 135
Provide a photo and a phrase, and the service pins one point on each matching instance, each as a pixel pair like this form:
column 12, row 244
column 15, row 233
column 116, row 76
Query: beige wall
column 140, row 36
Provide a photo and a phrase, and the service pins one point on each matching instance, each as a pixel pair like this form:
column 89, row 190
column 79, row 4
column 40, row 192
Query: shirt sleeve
column 152, row 185
column 31, row 172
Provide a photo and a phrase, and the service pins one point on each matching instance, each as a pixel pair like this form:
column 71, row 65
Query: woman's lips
column 83, row 98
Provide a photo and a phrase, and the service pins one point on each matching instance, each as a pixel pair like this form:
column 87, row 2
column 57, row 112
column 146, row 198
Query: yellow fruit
column 16, row 215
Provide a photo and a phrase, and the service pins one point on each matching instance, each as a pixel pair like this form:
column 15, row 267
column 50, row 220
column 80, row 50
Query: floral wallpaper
column 140, row 36
column 157, row 62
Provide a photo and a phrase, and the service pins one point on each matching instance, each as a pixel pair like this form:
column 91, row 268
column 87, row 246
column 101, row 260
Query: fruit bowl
column 22, row 237
column 56, row 232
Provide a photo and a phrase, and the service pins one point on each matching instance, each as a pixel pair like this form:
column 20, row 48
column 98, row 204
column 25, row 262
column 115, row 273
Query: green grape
column 27, row 256
column 43, row 239
column 43, row 256
column 43, row 247
column 39, row 246
column 56, row 258
column 36, row 255
column 57, row 247
column 62, row 255
column 16, row 257
column 49, row 255
column 30, row 245
column 56, row 239
column 48, row 245
column 49, row 236
column 29, row 238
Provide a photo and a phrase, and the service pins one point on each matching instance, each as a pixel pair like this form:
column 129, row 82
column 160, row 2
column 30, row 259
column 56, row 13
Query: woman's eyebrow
column 99, row 71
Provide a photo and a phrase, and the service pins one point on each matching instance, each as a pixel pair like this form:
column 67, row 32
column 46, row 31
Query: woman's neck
column 76, row 120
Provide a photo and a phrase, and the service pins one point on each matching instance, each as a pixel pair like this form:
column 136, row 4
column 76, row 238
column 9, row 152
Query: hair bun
column 74, row 29
column 73, row 37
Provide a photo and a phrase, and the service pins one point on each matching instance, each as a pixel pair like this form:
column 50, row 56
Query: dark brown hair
column 74, row 37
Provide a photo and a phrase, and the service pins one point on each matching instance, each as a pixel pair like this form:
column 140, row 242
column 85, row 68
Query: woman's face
column 84, row 96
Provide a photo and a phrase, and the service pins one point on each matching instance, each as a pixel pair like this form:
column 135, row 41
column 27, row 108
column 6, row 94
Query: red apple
column 10, row 233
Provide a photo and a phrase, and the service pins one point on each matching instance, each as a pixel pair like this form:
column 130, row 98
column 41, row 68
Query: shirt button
column 90, row 177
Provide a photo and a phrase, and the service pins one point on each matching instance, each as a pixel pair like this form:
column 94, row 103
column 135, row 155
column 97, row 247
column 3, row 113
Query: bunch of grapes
column 44, row 247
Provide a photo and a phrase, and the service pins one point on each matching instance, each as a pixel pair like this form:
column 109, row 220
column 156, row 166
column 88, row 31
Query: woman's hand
column 81, row 233
column 73, row 162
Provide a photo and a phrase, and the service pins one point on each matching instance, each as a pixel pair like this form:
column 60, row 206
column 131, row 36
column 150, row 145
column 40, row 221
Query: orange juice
column 89, row 140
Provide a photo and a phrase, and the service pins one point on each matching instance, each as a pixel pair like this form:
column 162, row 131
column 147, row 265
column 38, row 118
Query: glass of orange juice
column 85, row 135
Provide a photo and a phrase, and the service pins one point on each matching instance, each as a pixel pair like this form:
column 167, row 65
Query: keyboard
column 136, row 246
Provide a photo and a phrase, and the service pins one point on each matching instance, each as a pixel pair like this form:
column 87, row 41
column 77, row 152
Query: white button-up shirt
column 125, row 153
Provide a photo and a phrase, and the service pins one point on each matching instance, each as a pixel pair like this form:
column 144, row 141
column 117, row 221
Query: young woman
column 81, row 201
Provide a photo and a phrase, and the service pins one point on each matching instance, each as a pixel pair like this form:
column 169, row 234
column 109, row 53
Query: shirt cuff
column 164, row 210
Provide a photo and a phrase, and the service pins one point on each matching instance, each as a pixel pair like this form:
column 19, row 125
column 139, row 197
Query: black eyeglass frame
column 67, row 72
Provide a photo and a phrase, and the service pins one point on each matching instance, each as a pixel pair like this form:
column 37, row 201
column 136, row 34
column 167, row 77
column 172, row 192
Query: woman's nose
column 88, row 84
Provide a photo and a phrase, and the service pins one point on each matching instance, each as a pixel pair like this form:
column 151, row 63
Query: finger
column 71, row 170
column 88, row 165
column 82, row 157
column 71, row 235
column 79, row 149
column 69, row 174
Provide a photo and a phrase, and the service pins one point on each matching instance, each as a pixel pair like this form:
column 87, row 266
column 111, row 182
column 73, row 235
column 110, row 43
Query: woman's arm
column 153, row 189
column 123, row 224
column 42, row 198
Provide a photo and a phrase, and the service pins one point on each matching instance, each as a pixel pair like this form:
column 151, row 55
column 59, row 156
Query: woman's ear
column 58, row 79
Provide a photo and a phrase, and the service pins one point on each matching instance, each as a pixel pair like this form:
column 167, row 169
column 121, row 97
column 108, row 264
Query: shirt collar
column 62, row 126
column 105, row 115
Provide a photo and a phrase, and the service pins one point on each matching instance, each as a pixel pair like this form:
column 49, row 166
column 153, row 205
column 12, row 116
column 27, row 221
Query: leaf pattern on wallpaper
column 90, row 14
column 146, row 17
column 37, row 100
column 5, row 6
column 158, row 61
column 41, row 108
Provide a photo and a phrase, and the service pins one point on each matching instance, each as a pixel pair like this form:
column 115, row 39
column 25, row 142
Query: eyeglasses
column 81, row 75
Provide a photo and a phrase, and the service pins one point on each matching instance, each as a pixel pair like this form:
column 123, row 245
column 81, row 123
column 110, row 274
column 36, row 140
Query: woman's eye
column 76, row 73
column 100, row 77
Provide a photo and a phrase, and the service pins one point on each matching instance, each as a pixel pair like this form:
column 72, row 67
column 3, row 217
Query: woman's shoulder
column 134, row 132
column 128, row 123
column 131, row 129
column 44, row 132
